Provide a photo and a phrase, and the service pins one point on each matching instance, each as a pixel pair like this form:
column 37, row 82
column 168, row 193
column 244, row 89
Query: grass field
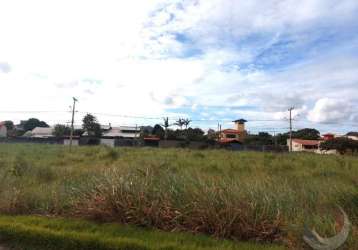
column 239, row 196
column 39, row 233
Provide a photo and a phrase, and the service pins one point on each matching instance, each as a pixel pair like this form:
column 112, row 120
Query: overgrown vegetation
column 242, row 196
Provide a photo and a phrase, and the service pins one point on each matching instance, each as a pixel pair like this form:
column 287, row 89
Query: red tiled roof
column 151, row 138
column 231, row 131
column 228, row 140
column 306, row 142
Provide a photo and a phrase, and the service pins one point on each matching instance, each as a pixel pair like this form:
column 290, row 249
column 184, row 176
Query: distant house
column 127, row 132
column 110, row 137
column 75, row 141
column 151, row 141
column 328, row 136
column 300, row 145
column 236, row 135
column 3, row 130
column 352, row 137
column 40, row 132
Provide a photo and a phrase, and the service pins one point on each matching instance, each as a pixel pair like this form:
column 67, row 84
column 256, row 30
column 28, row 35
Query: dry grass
column 257, row 196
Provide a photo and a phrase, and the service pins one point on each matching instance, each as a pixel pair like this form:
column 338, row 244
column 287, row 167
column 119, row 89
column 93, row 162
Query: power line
column 141, row 117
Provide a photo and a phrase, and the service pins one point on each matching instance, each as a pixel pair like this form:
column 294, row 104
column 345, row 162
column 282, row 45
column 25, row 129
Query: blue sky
column 212, row 61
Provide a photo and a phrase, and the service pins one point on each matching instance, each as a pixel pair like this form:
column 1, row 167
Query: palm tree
column 166, row 125
column 186, row 122
column 180, row 123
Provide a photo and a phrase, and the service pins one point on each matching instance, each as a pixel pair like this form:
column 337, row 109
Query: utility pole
column 218, row 131
column 275, row 138
column 290, row 110
column 73, row 120
column 135, row 135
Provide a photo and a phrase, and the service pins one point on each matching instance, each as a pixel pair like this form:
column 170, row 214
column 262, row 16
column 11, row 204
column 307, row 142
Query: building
column 127, row 132
column 40, row 132
column 111, row 137
column 328, row 136
column 75, row 141
column 3, row 130
column 300, row 145
column 236, row 135
column 352, row 137
column 151, row 141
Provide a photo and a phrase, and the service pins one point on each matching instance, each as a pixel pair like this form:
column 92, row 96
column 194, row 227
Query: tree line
column 164, row 130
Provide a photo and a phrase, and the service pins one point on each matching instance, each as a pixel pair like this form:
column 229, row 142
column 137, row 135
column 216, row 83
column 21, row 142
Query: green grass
column 44, row 233
column 235, row 195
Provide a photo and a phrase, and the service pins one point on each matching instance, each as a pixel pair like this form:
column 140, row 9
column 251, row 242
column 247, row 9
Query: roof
column 228, row 140
column 42, row 131
column 240, row 120
column 328, row 134
column 151, row 138
column 232, row 131
column 2, row 124
column 119, row 132
column 306, row 142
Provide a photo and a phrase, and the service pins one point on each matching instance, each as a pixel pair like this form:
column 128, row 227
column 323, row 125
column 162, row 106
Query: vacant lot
column 241, row 196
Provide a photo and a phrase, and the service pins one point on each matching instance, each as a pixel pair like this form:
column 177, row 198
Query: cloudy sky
column 210, row 60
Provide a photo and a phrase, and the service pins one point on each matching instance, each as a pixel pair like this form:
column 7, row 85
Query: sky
column 134, row 62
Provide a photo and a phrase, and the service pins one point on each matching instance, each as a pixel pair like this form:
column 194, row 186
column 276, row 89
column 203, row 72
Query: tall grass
column 256, row 196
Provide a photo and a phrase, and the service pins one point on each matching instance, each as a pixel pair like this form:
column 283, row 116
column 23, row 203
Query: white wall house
column 128, row 132
column 3, row 130
column 39, row 132
column 75, row 142
column 125, row 132
column 299, row 145
column 352, row 137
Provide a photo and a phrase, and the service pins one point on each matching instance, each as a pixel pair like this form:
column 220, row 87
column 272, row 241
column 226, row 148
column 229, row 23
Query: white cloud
column 125, row 57
column 5, row 67
column 328, row 110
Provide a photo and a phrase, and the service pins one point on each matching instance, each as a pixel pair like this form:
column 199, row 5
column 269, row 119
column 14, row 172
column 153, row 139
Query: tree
column 32, row 123
column 341, row 144
column 61, row 130
column 186, row 122
column 281, row 139
column 158, row 131
column 166, row 125
column 145, row 131
column 261, row 139
column 212, row 135
column 180, row 123
column 306, row 134
column 9, row 125
column 195, row 134
column 91, row 125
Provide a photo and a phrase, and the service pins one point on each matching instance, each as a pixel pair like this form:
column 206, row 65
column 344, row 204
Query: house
column 300, row 145
column 328, row 136
column 75, row 140
column 151, row 141
column 236, row 135
column 127, row 132
column 111, row 136
column 3, row 130
column 40, row 132
column 352, row 137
